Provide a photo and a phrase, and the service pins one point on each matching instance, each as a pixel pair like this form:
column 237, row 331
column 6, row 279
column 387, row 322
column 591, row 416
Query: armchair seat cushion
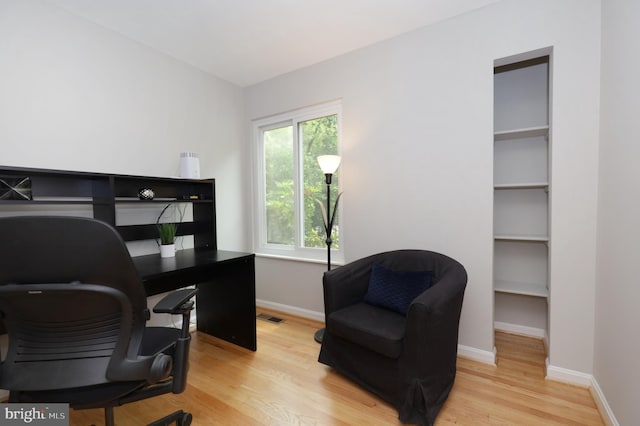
column 377, row 329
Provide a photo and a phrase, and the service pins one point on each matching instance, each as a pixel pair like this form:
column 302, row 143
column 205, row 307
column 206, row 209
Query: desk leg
column 226, row 305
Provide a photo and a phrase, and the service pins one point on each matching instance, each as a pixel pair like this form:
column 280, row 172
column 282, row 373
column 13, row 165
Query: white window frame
column 297, row 252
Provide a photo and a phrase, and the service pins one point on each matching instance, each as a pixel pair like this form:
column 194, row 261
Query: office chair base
column 180, row 418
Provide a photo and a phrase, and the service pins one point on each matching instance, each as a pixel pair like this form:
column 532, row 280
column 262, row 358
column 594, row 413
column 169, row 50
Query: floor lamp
column 329, row 164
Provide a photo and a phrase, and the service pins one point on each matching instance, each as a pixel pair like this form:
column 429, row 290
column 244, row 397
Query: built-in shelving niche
column 521, row 194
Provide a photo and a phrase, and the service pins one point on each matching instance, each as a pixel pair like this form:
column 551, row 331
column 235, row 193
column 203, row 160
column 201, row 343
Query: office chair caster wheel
column 186, row 419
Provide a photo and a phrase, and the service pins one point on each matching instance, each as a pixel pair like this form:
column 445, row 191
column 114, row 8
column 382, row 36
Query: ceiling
column 249, row 41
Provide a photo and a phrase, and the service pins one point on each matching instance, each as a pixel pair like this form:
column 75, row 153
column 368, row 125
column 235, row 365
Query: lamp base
column 319, row 335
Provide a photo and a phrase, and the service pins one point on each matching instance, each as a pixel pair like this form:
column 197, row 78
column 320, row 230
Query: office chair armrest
column 176, row 302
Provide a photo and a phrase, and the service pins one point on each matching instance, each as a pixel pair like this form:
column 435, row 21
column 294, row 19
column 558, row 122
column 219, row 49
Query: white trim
column 603, row 405
column 523, row 56
column 574, row 377
column 302, row 114
column 486, row 357
column 520, row 329
column 301, row 259
column 292, row 310
column 578, row 378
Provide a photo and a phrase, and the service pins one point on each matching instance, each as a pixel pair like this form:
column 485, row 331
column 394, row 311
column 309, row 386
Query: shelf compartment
column 46, row 209
column 521, row 212
column 48, row 185
column 520, row 160
column 521, row 97
column 150, row 232
column 521, row 267
column 517, row 311
column 127, row 187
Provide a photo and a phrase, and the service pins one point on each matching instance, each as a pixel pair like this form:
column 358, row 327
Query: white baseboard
column 520, row 329
column 293, row 310
column 479, row 355
column 603, row 406
column 587, row 380
column 568, row 376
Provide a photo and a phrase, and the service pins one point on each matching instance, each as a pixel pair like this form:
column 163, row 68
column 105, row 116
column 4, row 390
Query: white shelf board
column 524, row 185
column 529, row 238
column 525, row 289
column 528, row 132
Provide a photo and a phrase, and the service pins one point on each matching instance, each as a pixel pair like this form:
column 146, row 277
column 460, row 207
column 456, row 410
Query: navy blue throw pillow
column 395, row 290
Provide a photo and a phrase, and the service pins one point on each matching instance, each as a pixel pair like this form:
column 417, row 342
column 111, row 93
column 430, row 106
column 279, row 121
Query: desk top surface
column 153, row 266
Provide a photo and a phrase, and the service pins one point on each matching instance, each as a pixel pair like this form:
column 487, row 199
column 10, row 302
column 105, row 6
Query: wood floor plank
column 283, row 384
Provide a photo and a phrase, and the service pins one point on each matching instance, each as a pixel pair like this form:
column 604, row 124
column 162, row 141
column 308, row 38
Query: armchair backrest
column 415, row 260
column 358, row 273
column 72, row 303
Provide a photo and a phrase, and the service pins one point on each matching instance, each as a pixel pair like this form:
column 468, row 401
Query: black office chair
column 75, row 311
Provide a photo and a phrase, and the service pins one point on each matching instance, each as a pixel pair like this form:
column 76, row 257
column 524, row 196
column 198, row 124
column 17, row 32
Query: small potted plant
column 167, row 232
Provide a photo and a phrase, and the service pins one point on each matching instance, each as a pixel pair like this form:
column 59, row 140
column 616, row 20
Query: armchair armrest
column 434, row 316
column 176, row 302
column 346, row 285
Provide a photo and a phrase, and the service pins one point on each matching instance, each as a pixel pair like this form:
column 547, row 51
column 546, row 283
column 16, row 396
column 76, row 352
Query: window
column 291, row 190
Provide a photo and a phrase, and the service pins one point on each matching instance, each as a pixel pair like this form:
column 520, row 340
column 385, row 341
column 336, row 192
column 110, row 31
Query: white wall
column 617, row 347
column 417, row 156
column 75, row 96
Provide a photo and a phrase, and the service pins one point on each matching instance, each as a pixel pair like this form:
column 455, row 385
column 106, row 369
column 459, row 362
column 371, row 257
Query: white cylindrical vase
column 167, row 250
column 189, row 165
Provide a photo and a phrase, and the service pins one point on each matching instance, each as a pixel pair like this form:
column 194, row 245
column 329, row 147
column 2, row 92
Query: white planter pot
column 167, row 250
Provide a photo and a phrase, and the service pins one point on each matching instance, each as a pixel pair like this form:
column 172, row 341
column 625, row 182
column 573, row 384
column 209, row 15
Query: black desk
column 226, row 300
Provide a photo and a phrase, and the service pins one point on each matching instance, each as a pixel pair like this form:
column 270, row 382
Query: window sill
column 334, row 262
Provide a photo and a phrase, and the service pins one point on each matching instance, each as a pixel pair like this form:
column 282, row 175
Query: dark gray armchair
column 409, row 359
column 75, row 311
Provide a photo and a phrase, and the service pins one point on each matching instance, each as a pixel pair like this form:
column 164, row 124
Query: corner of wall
column 603, row 405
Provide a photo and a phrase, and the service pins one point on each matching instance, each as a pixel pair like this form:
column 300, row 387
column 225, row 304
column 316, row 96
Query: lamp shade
column 329, row 163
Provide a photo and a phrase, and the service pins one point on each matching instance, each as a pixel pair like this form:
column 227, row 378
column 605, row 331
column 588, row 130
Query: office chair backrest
column 72, row 302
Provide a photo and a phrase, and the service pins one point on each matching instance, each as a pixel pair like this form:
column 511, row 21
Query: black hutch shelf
column 105, row 192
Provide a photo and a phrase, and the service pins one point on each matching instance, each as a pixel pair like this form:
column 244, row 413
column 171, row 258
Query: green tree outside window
column 317, row 137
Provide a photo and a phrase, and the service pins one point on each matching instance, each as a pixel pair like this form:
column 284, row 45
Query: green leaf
column 167, row 232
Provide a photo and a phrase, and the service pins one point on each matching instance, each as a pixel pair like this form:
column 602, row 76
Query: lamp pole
column 329, row 224
column 329, row 164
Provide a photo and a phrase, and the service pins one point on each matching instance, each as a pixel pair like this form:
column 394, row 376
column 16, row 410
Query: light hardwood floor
column 283, row 384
